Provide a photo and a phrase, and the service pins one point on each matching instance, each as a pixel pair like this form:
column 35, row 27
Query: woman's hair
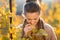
column 31, row 0
column 31, row 7
column 38, row 1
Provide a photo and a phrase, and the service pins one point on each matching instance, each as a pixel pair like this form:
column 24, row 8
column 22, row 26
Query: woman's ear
column 23, row 16
column 40, row 14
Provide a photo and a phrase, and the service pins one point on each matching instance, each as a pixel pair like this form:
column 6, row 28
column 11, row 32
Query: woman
column 34, row 28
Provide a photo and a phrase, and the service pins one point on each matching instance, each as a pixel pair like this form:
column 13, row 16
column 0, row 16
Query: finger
column 27, row 25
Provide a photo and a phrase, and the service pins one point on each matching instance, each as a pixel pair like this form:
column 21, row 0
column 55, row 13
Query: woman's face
column 32, row 18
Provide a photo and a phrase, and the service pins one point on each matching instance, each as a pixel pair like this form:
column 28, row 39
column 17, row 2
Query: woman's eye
column 34, row 19
column 29, row 19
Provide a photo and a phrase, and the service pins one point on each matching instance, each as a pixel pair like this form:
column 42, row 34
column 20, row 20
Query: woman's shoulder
column 20, row 26
column 47, row 26
column 49, row 30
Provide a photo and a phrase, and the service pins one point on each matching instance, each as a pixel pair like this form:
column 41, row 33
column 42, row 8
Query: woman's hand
column 27, row 29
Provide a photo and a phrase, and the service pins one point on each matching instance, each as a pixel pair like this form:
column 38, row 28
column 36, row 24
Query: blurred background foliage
column 50, row 14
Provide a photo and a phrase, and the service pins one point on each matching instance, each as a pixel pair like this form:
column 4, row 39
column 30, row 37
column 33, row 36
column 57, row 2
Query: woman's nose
column 32, row 22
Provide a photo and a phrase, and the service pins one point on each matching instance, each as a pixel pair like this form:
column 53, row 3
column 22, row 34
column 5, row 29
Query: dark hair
column 31, row 7
column 31, row 0
column 40, row 1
